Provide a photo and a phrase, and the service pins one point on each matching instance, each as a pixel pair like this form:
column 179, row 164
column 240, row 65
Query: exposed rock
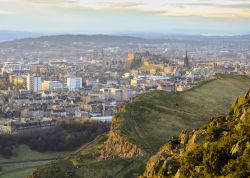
column 196, row 139
column 247, row 95
column 238, row 148
column 119, row 146
column 184, row 136
column 177, row 175
column 217, row 121
column 168, row 161
column 163, row 164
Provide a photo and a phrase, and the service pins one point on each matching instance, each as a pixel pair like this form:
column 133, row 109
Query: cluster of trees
column 7, row 143
column 66, row 136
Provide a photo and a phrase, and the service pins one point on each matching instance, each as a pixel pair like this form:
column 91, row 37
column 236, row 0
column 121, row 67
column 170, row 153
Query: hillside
column 73, row 42
column 153, row 118
column 21, row 154
column 220, row 148
column 142, row 126
column 25, row 160
column 7, row 35
column 68, row 45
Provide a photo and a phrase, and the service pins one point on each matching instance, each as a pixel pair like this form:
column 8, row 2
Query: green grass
column 24, row 153
column 113, row 168
column 18, row 173
column 153, row 118
column 88, row 152
column 88, row 164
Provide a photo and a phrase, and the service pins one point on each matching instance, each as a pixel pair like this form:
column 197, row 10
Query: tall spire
column 102, row 53
column 186, row 62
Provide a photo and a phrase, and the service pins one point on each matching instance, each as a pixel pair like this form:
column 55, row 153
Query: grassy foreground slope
column 149, row 121
column 24, row 161
column 219, row 149
column 153, row 118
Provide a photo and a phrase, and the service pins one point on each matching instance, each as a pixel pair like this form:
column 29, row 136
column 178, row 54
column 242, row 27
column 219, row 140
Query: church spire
column 186, row 62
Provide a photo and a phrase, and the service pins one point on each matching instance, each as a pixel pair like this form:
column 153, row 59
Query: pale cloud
column 202, row 8
column 89, row 15
column 5, row 12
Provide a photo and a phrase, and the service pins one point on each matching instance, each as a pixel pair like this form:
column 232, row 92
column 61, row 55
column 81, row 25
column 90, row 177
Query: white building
column 114, row 93
column 34, row 82
column 52, row 85
column 9, row 67
column 102, row 118
column 74, row 83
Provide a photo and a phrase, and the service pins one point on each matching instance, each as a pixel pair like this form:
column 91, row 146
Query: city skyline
column 227, row 17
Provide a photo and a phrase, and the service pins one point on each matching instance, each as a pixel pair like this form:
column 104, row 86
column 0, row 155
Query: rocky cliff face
column 220, row 148
column 117, row 145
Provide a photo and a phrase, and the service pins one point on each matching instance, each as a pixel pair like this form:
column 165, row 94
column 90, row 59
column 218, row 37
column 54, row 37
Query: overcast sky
column 120, row 16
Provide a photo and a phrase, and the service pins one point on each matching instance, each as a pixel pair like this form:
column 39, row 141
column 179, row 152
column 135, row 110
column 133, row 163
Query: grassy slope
column 155, row 117
column 19, row 172
column 89, row 166
column 222, row 151
column 24, row 153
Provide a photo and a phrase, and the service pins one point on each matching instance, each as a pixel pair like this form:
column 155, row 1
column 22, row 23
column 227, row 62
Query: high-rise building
column 34, row 82
column 74, row 83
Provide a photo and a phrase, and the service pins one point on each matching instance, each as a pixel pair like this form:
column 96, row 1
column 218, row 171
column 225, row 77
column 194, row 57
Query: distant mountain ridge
column 37, row 45
column 6, row 35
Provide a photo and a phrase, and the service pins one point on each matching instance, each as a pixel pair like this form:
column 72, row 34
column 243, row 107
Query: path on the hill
column 79, row 150
column 7, row 163
column 140, row 135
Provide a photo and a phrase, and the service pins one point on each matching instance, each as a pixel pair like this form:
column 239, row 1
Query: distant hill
column 6, row 35
column 14, row 35
column 39, row 45
column 142, row 126
column 180, row 36
column 64, row 45
column 68, row 38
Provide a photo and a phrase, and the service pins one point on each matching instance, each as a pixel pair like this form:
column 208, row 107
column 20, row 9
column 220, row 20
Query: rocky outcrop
column 117, row 145
column 195, row 139
column 225, row 138
column 165, row 162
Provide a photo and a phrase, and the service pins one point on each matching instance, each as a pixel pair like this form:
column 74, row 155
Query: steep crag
column 220, row 148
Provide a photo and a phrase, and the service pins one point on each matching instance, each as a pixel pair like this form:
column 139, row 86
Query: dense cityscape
column 93, row 84
column 124, row 89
